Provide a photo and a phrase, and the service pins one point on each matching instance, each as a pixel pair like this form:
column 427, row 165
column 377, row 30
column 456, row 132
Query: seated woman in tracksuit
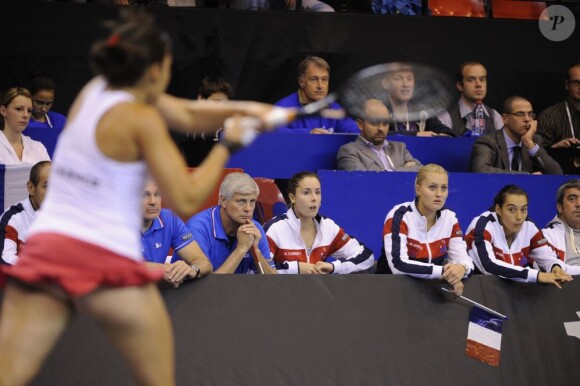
column 303, row 241
column 504, row 242
column 420, row 235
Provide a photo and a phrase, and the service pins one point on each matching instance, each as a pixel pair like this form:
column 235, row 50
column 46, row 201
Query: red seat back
column 465, row 8
column 510, row 9
column 270, row 200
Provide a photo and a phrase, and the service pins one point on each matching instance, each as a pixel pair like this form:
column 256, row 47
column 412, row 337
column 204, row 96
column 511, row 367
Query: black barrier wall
column 341, row 330
column 258, row 51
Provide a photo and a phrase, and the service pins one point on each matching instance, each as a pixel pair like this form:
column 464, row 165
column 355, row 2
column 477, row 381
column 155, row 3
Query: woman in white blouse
column 15, row 112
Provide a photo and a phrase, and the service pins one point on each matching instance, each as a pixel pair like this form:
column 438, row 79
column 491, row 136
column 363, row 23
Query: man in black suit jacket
column 515, row 148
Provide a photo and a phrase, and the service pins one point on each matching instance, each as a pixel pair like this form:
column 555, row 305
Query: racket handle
column 247, row 124
column 279, row 116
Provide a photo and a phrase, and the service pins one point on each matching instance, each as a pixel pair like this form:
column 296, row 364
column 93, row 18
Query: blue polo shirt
column 167, row 231
column 208, row 231
column 304, row 125
column 54, row 120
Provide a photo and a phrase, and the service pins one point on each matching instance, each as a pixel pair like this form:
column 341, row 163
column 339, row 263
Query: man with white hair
column 227, row 233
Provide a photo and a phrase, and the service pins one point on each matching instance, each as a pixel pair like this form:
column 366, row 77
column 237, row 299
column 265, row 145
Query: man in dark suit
column 515, row 148
column 371, row 150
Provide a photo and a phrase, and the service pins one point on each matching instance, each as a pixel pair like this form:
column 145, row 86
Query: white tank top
column 90, row 196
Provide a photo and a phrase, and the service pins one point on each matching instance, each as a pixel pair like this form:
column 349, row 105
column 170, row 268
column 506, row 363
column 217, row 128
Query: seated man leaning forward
column 515, row 149
column 313, row 80
column 227, row 234
column 371, row 150
column 162, row 230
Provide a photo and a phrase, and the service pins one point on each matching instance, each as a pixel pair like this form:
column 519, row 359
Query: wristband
column 232, row 147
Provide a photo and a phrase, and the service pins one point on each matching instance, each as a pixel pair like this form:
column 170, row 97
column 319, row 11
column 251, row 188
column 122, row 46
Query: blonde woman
column 15, row 112
column 422, row 238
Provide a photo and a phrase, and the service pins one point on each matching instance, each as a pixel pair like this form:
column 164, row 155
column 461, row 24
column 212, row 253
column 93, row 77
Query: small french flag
column 484, row 336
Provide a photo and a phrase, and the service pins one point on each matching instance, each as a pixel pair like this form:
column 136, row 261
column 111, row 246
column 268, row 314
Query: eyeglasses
column 574, row 82
column 521, row 114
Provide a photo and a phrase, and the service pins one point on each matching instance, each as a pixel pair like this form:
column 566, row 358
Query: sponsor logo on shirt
column 187, row 237
column 157, row 245
column 416, row 246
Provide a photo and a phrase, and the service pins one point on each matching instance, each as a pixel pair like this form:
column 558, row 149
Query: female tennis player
column 84, row 251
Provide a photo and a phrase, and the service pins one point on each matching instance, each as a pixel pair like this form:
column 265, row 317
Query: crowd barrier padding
column 340, row 330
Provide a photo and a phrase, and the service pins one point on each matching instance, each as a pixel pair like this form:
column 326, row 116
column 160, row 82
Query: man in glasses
column 559, row 125
column 227, row 233
column 371, row 150
column 514, row 149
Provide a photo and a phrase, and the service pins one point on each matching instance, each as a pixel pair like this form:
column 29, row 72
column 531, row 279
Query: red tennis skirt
column 76, row 266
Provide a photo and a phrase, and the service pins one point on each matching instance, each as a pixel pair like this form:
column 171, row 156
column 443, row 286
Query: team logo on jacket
column 416, row 246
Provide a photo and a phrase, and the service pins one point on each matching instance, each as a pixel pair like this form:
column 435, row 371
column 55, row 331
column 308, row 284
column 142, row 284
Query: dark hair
column 213, row 84
column 570, row 67
column 40, row 81
column 9, row 96
column 507, row 104
column 314, row 60
column 297, row 178
column 459, row 71
column 35, row 171
column 135, row 43
column 501, row 196
column 573, row 183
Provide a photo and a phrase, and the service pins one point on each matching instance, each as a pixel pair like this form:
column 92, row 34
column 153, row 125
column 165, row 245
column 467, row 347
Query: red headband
column 114, row 39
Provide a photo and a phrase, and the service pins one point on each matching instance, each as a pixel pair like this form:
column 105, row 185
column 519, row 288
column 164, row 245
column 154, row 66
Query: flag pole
column 476, row 304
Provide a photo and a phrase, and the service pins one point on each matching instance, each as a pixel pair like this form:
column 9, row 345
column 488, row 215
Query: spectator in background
column 15, row 112
column 472, row 84
column 303, row 241
column 163, row 230
column 504, row 242
column 563, row 232
column 515, row 149
column 227, row 233
column 371, row 150
column 195, row 146
column 400, row 87
column 42, row 89
column 313, row 81
column 559, row 125
column 16, row 220
column 422, row 238
column 396, row 7
column 306, row 5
